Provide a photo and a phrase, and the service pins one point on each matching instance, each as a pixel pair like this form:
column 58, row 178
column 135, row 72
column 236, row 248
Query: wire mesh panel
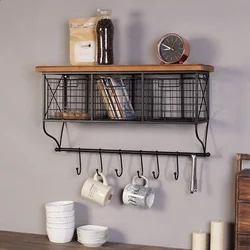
column 176, row 98
column 67, row 97
column 149, row 97
column 203, row 97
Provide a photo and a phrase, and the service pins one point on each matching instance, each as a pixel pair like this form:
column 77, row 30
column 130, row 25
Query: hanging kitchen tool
column 193, row 183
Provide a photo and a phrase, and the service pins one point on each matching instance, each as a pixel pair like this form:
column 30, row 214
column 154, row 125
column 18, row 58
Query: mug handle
column 143, row 177
column 104, row 179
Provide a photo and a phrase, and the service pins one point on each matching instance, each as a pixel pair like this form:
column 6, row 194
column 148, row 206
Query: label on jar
column 84, row 51
column 82, row 25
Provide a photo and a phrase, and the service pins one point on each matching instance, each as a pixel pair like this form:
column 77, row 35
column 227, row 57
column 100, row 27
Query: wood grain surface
column 242, row 204
column 125, row 68
column 24, row 241
column 243, row 242
column 244, row 187
column 243, row 218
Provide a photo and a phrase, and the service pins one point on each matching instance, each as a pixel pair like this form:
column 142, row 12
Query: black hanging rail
column 125, row 151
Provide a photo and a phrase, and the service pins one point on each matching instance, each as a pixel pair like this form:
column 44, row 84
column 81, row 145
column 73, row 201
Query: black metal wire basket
column 158, row 97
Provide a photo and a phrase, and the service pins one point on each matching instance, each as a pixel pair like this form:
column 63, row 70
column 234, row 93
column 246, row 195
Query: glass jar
column 104, row 36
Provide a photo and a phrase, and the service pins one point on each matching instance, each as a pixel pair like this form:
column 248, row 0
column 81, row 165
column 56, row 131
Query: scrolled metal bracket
column 58, row 149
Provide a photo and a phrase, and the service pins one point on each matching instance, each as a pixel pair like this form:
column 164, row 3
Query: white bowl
column 82, row 231
column 60, row 235
column 59, row 206
column 60, row 219
column 88, row 240
column 89, row 244
column 60, row 214
column 60, row 225
column 90, row 229
column 92, row 235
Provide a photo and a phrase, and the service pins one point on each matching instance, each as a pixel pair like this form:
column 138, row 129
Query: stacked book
column 115, row 98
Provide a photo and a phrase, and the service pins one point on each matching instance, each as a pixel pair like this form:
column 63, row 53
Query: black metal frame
column 173, row 97
column 200, row 100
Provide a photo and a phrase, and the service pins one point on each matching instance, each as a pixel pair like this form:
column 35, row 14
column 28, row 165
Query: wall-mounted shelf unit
column 176, row 93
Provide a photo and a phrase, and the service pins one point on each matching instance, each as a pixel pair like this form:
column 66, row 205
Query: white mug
column 138, row 195
column 98, row 191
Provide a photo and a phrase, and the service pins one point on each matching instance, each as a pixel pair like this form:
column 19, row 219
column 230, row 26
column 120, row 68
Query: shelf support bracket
column 203, row 143
column 53, row 138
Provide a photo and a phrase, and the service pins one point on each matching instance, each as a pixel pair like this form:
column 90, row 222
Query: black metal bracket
column 53, row 138
column 59, row 147
column 120, row 152
column 203, row 143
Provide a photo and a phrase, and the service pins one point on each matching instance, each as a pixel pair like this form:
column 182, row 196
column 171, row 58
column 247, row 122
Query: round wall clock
column 173, row 48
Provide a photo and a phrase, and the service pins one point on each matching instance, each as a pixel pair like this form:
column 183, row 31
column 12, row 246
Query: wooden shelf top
column 125, row 68
column 24, row 241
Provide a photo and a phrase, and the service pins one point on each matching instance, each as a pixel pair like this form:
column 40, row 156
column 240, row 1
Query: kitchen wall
column 31, row 173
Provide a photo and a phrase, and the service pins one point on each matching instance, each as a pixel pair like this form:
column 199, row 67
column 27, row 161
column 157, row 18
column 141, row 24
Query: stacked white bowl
column 92, row 235
column 60, row 221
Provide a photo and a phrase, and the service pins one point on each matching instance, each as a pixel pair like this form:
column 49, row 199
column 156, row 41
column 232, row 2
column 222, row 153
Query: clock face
column 171, row 48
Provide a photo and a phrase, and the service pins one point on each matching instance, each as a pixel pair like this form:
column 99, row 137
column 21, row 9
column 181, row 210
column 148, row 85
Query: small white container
column 60, row 214
column 59, row 206
column 60, row 219
column 93, row 229
column 92, row 240
column 60, row 235
column 91, row 235
column 92, row 244
column 60, row 225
